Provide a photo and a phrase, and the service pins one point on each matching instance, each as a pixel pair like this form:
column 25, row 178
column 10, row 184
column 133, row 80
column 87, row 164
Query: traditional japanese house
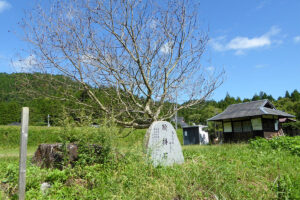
column 243, row 121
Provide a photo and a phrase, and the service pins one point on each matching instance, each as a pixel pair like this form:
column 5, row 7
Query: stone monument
column 162, row 145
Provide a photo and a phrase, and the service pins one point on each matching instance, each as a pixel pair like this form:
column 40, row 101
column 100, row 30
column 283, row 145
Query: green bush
column 291, row 144
column 94, row 144
column 259, row 142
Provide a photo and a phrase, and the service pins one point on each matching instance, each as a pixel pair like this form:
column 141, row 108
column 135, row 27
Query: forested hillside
column 47, row 94
column 17, row 91
column 14, row 95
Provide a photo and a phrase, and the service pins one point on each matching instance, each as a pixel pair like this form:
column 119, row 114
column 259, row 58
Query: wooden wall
column 244, row 134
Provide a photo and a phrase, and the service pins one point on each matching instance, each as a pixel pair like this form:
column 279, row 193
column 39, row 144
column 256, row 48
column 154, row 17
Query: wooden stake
column 23, row 152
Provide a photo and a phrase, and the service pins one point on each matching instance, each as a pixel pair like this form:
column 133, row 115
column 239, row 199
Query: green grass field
column 230, row 171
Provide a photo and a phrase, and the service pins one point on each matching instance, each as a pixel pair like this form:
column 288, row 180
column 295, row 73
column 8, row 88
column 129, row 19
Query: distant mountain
column 37, row 91
column 22, row 89
column 17, row 86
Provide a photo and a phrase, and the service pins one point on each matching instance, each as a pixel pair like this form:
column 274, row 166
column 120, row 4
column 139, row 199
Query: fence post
column 23, row 152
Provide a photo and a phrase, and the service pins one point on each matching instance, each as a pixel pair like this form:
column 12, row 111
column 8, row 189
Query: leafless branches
column 146, row 52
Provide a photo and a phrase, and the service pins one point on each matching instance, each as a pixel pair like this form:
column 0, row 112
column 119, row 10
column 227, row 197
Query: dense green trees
column 40, row 93
column 10, row 112
column 12, row 99
column 199, row 114
column 295, row 96
column 13, row 96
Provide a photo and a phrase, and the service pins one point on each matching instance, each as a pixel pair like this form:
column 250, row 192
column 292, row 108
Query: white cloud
column 25, row 65
column 166, row 48
column 297, row 39
column 4, row 6
column 239, row 44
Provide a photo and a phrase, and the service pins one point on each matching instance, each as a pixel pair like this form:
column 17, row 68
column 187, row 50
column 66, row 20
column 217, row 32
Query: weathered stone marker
column 163, row 147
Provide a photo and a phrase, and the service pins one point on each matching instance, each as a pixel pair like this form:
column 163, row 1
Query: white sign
column 163, row 147
column 204, row 139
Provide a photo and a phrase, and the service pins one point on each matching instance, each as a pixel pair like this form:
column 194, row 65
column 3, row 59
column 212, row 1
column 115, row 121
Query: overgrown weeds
column 229, row 171
column 290, row 144
column 286, row 185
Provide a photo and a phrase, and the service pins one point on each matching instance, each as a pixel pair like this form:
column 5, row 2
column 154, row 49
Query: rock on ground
column 57, row 155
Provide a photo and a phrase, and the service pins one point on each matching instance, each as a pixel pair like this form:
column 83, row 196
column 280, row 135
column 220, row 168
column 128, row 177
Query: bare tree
column 144, row 53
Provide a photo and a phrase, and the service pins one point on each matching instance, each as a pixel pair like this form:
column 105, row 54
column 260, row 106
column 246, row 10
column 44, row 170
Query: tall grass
column 230, row 171
column 10, row 135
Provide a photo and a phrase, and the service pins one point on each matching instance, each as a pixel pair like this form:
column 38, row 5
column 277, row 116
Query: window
column 237, row 126
column 256, row 124
column 227, row 127
column 276, row 125
column 247, row 126
column 268, row 124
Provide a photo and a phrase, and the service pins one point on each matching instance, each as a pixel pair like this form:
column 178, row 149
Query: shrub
column 94, row 144
column 291, row 144
column 259, row 142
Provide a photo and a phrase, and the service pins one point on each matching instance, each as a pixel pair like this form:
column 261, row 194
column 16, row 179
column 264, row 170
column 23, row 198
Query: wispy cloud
column 297, row 39
column 216, row 43
column 262, row 4
column 4, row 5
column 24, row 65
column 239, row 44
column 259, row 66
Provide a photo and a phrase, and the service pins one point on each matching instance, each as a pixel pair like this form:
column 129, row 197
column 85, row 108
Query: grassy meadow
column 230, row 171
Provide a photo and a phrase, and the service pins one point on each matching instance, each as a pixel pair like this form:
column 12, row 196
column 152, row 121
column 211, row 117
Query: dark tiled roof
column 249, row 109
column 180, row 120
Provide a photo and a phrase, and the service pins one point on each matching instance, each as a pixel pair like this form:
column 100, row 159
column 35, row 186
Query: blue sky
column 256, row 42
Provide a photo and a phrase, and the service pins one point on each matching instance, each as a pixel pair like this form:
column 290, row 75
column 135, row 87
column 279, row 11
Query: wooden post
column 23, row 152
